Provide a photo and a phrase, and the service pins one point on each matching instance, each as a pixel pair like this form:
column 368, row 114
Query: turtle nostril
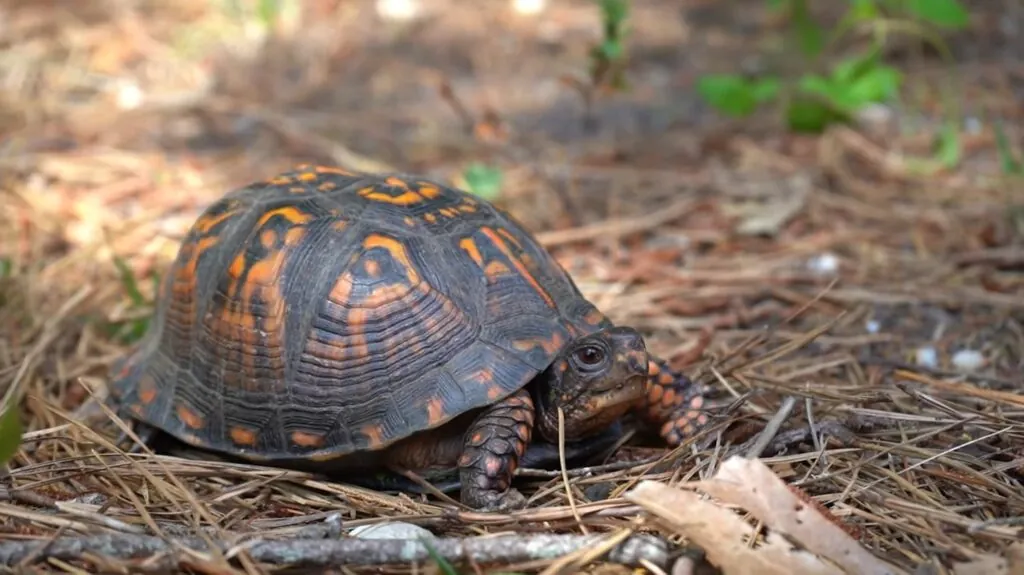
column 637, row 362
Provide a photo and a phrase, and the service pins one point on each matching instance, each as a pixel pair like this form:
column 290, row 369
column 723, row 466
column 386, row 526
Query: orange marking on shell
column 384, row 295
column 495, row 270
column 430, row 192
column 148, row 390
column 467, row 209
column 396, row 182
column 308, row 440
column 550, row 346
column 332, row 170
column 189, row 417
column 510, row 237
column 653, row 369
column 297, row 190
column 206, row 222
column 294, row 215
column 435, row 411
column 308, row 177
column 268, row 238
column 341, row 292
column 666, row 379
column 279, row 181
column 374, row 435
column 397, row 251
column 525, row 273
column 477, row 438
column 430, row 218
column 594, row 317
column 372, row 268
column 243, row 436
column 409, row 221
column 449, row 212
column 407, row 198
column 494, row 392
column 470, row 247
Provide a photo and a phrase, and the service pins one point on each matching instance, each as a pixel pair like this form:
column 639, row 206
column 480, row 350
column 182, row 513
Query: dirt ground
column 832, row 297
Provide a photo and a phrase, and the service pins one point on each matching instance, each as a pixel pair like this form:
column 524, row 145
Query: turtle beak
column 621, row 397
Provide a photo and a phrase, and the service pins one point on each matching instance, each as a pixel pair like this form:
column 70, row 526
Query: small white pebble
column 129, row 96
column 927, row 356
column 398, row 9
column 529, row 7
column 872, row 326
column 968, row 360
column 826, row 263
column 391, row 530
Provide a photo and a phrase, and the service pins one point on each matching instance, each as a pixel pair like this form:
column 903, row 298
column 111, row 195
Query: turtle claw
column 496, row 502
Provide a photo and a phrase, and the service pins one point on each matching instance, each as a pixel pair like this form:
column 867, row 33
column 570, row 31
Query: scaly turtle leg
column 493, row 446
column 673, row 403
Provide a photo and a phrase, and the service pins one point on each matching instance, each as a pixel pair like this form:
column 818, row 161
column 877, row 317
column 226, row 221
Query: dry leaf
column 724, row 536
column 751, row 485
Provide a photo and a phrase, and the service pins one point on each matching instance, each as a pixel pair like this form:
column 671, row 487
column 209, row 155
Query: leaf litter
column 711, row 244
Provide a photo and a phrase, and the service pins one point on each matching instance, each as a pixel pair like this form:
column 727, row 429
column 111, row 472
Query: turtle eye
column 589, row 356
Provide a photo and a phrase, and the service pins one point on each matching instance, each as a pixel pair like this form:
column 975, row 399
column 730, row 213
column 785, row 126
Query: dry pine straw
column 916, row 465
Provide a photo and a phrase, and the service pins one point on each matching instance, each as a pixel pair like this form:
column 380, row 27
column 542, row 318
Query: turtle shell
column 323, row 312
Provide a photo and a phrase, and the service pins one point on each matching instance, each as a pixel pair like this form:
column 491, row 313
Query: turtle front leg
column 492, row 448
column 673, row 403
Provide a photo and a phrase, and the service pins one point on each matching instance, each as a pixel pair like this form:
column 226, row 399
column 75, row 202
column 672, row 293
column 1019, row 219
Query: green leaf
column 268, row 11
column 131, row 287
column 1007, row 161
column 876, row 85
column 863, row 10
column 948, row 13
column 483, row 180
column 766, row 89
column 614, row 12
column 729, row 94
column 811, row 116
column 10, row 433
column 809, row 35
column 6, row 267
column 777, row 4
column 948, row 145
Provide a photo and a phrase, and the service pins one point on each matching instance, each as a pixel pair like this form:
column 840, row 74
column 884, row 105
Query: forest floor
column 859, row 321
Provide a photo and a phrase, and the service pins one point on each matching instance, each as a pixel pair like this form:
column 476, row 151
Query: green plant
column 1008, row 161
column 483, row 180
column 131, row 330
column 813, row 101
column 607, row 59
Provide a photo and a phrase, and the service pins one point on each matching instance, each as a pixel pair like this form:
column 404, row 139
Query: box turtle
column 330, row 318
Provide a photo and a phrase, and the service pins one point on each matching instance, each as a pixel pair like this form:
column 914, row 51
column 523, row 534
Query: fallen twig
column 480, row 550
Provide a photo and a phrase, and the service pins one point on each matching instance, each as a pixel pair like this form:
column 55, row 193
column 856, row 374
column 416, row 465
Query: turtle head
column 594, row 380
